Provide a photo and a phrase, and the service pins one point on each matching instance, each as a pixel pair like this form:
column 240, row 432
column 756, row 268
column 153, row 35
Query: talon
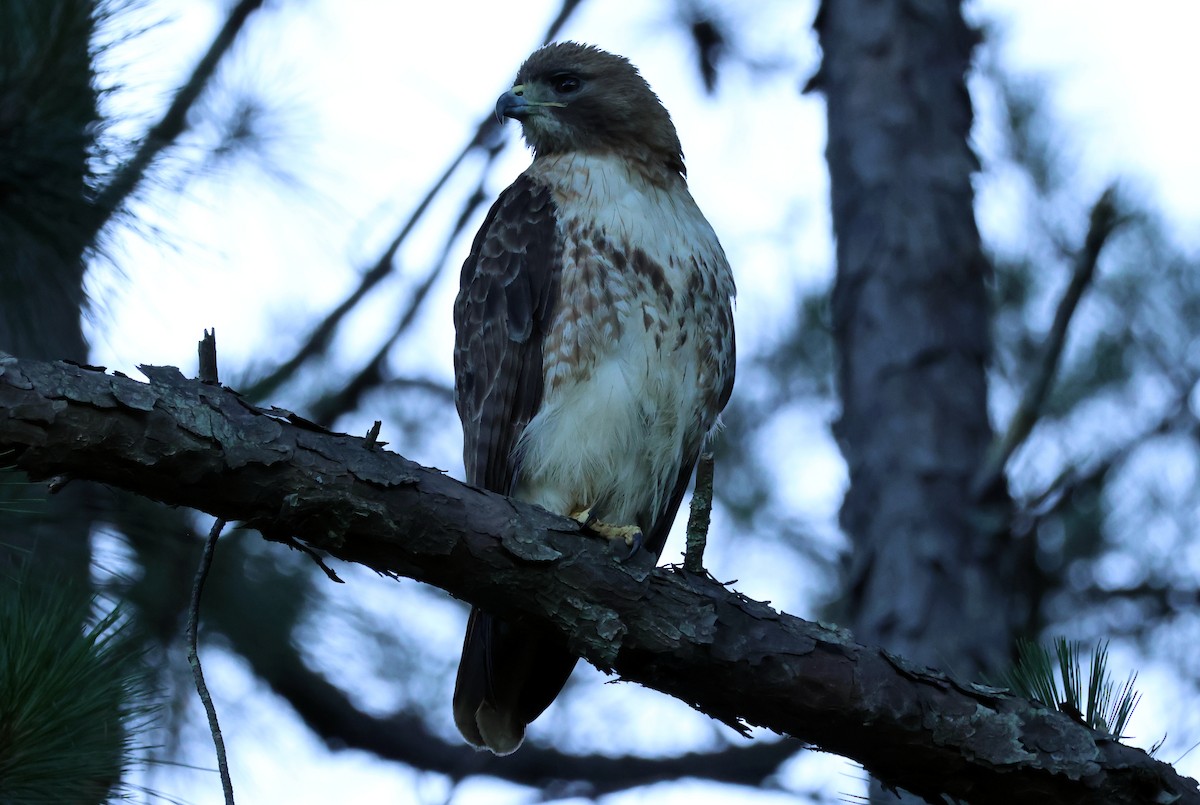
column 631, row 535
column 635, row 545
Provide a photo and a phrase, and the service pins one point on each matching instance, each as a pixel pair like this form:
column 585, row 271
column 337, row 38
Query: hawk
column 594, row 345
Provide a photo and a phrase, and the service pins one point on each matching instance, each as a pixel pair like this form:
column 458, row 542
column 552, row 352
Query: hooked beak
column 517, row 104
column 512, row 104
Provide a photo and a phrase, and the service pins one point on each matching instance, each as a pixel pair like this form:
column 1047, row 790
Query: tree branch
column 189, row 444
column 193, row 655
column 404, row 737
column 174, row 120
column 1104, row 219
column 349, row 393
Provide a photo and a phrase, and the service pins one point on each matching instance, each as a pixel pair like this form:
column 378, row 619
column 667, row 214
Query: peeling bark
column 190, row 444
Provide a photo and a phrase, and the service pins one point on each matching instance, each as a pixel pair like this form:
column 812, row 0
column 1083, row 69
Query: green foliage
column 48, row 119
column 1057, row 681
column 73, row 699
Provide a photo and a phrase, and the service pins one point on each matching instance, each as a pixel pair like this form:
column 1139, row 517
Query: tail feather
column 507, row 676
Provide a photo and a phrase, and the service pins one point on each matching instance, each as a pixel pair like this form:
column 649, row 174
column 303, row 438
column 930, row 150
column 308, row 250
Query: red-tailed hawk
column 594, row 345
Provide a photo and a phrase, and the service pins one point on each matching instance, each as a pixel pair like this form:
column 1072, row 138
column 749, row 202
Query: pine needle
column 73, row 697
column 1057, row 681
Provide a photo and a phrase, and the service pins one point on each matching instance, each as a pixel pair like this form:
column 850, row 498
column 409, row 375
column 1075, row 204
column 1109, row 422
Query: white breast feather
column 615, row 440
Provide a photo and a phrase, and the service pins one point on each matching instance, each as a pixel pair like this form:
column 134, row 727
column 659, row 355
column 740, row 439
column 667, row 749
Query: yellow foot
column 631, row 535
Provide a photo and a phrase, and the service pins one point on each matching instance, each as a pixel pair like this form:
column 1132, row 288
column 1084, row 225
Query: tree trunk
column 48, row 114
column 928, row 577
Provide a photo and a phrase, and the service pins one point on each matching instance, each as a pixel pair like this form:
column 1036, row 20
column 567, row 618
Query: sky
column 371, row 99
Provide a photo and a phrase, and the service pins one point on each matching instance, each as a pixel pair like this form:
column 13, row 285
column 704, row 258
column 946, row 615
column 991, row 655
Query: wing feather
column 506, row 292
column 508, row 673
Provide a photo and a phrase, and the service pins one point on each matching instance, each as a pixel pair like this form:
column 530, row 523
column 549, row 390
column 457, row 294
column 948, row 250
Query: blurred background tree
column 916, row 357
column 48, row 121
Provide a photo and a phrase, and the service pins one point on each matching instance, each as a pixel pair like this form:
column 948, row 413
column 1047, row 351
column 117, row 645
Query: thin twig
column 373, row 435
column 1177, row 418
column 206, row 351
column 194, row 657
column 174, row 121
column 320, row 338
column 347, row 395
column 1104, row 220
column 295, row 544
column 564, row 12
column 700, row 516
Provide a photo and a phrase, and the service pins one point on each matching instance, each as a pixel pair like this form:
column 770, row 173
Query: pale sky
column 376, row 97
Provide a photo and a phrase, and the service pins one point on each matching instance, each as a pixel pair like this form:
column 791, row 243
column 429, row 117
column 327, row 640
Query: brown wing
column 508, row 673
column 500, row 318
column 725, row 348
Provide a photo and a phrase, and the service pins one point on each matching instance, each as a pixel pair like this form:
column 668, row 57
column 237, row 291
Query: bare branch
column 174, row 120
column 485, row 137
column 348, row 394
column 1176, row 418
column 700, row 515
column 193, row 629
column 186, row 443
column 322, row 335
column 1104, row 220
column 404, row 737
column 206, row 352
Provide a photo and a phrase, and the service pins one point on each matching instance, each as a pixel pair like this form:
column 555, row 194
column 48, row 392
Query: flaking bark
column 190, row 444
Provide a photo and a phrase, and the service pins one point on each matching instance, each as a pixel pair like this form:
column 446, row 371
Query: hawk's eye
column 565, row 83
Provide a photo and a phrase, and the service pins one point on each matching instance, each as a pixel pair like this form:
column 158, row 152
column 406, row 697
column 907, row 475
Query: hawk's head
column 573, row 97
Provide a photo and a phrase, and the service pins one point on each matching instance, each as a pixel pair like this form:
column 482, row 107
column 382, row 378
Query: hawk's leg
column 631, row 535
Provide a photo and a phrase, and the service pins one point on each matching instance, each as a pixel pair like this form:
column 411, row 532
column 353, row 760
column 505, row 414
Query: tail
column 507, row 676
